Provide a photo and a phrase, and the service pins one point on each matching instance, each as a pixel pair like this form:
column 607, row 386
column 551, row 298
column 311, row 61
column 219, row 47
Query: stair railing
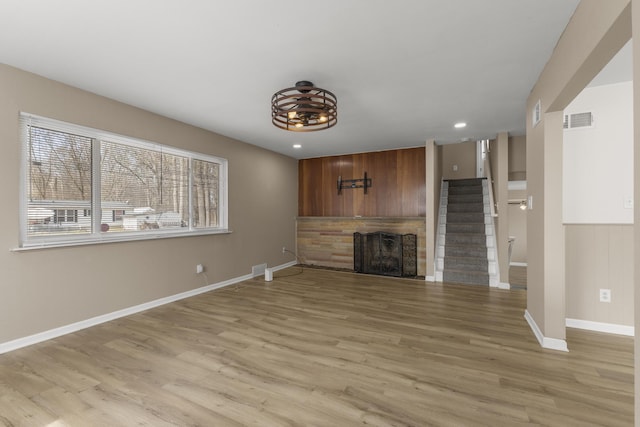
column 488, row 171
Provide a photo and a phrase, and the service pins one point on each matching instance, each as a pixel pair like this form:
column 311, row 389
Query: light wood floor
column 322, row 348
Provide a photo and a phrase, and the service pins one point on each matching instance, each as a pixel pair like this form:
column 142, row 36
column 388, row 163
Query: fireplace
column 387, row 254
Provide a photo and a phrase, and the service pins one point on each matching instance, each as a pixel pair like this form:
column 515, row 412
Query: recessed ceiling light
column 460, row 125
column 297, row 146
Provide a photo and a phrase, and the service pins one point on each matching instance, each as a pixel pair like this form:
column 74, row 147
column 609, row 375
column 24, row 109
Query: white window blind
column 59, row 181
column 150, row 186
column 140, row 189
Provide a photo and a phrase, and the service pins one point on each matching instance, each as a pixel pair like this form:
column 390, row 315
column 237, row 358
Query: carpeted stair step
column 465, row 242
column 466, row 264
column 466, row 277
column 465, row 207
column 462, row 227
column 465, row 217
column 465, row 239
column 466, row 198
column 465, row 182
column 470, row 189
column 465, row 251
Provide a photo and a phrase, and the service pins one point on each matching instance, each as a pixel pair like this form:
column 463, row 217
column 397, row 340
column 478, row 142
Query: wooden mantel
column 328, row 241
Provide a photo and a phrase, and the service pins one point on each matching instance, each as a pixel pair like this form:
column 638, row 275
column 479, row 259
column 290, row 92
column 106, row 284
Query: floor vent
column 258, row 270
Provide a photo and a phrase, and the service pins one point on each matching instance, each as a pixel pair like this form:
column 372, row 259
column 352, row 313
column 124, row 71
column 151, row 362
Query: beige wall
column 636, row 191
column 518, row 217
column 599, row 256
column 518, row 227
column 518, row 158
column 593, row 36
column 49, row 288
column 463, row 155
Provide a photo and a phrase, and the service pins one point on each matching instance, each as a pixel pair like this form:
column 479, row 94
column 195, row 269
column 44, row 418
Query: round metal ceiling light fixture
column 304, row 108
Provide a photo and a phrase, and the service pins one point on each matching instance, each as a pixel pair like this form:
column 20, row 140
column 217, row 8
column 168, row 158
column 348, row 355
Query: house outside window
column 65, row 215
column 117, row 214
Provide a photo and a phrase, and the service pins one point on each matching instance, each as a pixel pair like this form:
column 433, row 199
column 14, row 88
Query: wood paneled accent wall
column 398, row 185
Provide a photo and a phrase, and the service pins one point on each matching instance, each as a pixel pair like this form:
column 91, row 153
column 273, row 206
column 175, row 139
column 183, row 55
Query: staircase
column 466, row 244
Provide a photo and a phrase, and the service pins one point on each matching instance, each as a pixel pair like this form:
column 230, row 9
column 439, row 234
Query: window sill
column 37, row 245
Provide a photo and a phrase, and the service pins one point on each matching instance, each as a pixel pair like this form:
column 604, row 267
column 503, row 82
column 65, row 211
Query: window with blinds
column 140, row 189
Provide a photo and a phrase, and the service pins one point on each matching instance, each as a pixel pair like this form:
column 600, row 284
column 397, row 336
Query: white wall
column 597, row 178
column 598, row 161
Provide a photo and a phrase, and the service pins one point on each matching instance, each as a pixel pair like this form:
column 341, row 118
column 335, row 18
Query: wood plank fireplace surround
column 328, row 216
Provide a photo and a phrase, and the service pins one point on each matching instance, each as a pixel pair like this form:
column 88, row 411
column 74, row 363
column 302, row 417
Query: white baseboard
column 609, row 328
column 429, row 278
column 517, row 185
column 518, row 264
column 83, row 324
column 283, row 266
column 503, row 285
column 545, row 342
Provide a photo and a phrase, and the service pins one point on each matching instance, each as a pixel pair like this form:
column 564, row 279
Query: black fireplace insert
column 383, row 253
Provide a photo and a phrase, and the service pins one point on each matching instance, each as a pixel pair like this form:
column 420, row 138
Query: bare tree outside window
column 205, row 193
column 59, row 170
column 152, row 182
column 59, row 166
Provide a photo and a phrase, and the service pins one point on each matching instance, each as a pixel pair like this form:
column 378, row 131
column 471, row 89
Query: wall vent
column 537, row 113
column 578, row 120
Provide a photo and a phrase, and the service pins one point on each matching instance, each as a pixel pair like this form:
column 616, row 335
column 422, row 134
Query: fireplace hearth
column 386, row 254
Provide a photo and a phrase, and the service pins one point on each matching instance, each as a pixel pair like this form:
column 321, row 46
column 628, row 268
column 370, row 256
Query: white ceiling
column 404, row 71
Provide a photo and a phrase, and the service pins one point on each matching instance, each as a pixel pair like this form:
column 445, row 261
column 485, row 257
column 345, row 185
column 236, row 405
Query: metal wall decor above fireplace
column 388, row 254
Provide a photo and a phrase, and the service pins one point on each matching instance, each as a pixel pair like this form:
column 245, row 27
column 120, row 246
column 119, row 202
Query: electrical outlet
column 605, row 295
column 284, row 250
column 199, row 268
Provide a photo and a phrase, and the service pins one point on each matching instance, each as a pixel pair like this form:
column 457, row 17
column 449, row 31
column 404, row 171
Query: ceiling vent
column 578, row 120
